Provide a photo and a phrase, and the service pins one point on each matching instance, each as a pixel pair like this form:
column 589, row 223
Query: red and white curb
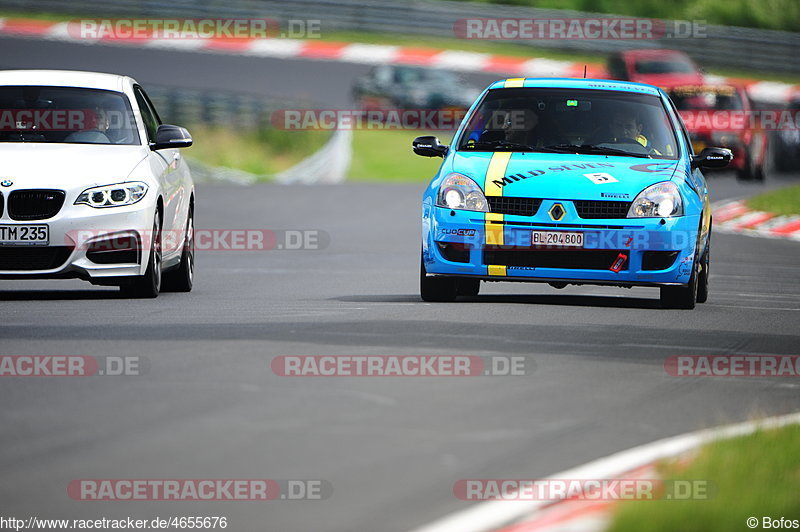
column 578, row 515
column 591, row 516
column 366, row 54
column 736, row 217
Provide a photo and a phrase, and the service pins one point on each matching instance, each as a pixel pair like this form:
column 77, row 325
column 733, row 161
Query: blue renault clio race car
column 568, row 181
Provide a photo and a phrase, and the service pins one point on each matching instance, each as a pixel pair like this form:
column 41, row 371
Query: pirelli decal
column 514, row 83
column 494, row 231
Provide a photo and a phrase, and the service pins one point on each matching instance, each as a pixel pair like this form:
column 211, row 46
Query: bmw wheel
column 181, row 279
column 148, row 285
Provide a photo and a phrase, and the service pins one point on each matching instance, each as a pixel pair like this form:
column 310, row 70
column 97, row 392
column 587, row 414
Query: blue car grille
column 587, row 209
column 515, row 206
column 591, row 209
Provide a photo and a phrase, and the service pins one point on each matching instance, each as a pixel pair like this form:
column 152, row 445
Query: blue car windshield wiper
column 504, row 144
column 593, row 149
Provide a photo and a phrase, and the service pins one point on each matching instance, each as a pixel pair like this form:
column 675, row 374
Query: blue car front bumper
column 623, row 252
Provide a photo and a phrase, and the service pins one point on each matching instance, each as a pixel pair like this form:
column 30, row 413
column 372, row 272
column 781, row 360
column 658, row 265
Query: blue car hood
column 568, row 176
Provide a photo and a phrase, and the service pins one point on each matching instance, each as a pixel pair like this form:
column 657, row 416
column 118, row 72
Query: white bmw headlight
column 460, row 192
column 661, row 200
column 112, row 195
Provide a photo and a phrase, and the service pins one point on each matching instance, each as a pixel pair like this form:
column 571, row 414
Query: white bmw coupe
column 92, row 184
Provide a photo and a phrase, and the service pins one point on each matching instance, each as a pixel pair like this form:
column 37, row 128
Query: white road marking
column 753, row 308
column 486, row 516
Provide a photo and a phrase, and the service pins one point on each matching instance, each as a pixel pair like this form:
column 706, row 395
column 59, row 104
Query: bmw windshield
column 65, row 115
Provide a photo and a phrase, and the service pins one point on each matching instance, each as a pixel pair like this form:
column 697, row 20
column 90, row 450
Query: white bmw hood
column 37, row 165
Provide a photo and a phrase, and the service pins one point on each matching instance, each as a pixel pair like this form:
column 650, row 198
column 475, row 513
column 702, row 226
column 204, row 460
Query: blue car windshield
column 602, row 122
column 65, row 115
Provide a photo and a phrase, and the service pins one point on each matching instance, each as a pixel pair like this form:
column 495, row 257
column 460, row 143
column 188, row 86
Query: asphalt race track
column 209, row 405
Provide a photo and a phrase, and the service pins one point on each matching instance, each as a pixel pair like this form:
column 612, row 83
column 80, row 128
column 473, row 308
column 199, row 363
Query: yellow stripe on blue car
column 494, row 231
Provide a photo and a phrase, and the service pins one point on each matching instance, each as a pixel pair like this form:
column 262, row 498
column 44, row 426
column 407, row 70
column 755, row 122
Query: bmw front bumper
column 75, row 235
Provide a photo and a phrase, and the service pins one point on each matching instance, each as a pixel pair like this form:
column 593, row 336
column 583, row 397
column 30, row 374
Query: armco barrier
column 721, row 46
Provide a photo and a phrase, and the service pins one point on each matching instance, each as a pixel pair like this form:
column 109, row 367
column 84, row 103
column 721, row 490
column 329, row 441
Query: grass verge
column 385, row 155
column 782, row 201
column 751, row 476
column 37, row 15
column 771, row 14
column 263, row 152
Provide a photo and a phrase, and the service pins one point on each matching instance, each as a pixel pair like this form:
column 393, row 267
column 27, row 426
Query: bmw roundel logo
column 6, row 182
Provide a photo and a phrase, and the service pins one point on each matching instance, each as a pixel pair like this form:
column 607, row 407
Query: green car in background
column 408, row 87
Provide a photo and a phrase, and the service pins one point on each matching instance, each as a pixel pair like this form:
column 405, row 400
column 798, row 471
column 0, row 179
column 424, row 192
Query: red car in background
column 655, row 67
column 722, row 115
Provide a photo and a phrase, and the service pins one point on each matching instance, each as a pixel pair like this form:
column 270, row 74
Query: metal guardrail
column 187, row 107
column 220, row 108
column 722, row 46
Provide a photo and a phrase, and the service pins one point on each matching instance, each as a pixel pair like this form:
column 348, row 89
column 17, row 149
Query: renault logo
column 557, row 212
column 6, row 182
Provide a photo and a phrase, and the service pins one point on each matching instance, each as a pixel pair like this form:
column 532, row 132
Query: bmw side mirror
column 712, row 158
column 169, row 136
column 429, row 147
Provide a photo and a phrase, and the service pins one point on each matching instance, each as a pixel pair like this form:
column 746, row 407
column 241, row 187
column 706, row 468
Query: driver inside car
column 626, row 126
column 97, row 131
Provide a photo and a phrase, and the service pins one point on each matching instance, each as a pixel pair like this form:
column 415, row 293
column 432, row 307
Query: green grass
column 751, row 476
column 386, row 156
column 792, row 79
column 36, row 15
column 767, row 14
column 781, row 201
column 262, row 152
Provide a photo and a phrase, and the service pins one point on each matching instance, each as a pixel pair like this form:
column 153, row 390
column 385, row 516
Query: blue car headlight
column 112, row 195
column 661, row 200
column 460, row 192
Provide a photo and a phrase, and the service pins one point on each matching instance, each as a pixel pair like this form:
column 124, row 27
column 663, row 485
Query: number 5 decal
column 600, row 177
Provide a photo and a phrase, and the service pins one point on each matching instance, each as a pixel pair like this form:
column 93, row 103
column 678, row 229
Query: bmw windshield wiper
column 506, row 144
column 595, row 150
